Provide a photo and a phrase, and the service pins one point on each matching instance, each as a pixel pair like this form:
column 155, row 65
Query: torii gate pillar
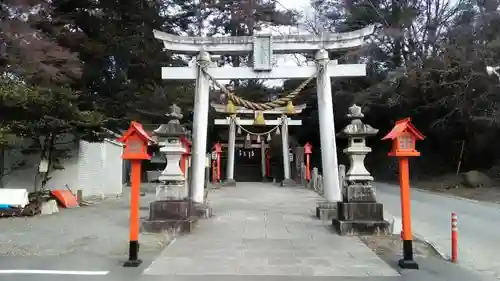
column 332, row 190
column 200, row 125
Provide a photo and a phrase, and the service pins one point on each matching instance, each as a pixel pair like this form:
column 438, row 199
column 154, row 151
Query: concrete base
column 327, row 210
column 288, row 182
column 228, row 182
column 132, row 263
column 408, row 264
column 171, row 225
column 203, row 211
column 361, row 227
column 49, row 207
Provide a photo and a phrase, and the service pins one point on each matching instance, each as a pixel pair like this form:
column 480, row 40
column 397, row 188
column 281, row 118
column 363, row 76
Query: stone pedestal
column 171, row 191
column 203, row 210
column 326, row 210
column 359, row 213
column 170, row 215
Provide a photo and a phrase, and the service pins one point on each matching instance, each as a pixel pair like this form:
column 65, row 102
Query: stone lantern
column 356, row 133
column 169, row 139
column 359, row 212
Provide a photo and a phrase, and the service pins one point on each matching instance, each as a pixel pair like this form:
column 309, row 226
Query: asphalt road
column 430, row 270
column 478, row 225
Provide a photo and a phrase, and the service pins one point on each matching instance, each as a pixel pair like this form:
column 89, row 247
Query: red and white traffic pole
column 454, row 238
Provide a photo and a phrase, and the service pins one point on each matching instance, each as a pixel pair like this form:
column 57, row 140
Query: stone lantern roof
column 173, row 128
column 357, row 128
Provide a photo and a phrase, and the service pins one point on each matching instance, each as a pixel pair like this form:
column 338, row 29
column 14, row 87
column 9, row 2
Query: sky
column 288, row 60
column 295, row 4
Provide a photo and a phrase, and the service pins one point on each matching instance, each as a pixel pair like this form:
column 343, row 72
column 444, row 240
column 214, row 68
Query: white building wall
column 90, row 166
column 95, row 168
column 60, row 178
column 113, row 167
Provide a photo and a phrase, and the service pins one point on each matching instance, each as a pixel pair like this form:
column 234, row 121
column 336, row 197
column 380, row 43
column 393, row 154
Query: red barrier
column 454, row 238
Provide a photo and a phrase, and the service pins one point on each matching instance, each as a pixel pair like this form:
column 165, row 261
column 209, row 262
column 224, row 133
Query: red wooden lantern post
column 218, row 150
column 268, row 163
column 136, row 149
column 404, row 136
column 307, row 152
column 185, row 156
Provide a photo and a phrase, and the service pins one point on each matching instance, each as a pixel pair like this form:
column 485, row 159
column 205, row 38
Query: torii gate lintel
column 280, row 72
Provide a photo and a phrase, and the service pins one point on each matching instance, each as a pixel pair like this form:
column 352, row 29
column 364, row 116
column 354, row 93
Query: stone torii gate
column 262, row 47
column 282, row 120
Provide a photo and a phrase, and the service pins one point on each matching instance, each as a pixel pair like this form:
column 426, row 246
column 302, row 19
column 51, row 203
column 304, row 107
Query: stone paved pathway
column 262, row 229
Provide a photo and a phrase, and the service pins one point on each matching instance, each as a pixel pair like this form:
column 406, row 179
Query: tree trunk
column 48, row 150
column 2, row 167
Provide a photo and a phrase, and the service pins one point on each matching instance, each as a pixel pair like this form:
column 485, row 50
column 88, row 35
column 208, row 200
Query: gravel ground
column 98, row 230
column 392, row 245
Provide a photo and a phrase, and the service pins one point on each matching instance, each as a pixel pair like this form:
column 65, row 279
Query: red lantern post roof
column 135, row 127
column 217, row 147
column 308, row 148
column 186, row 141
column 404, row 125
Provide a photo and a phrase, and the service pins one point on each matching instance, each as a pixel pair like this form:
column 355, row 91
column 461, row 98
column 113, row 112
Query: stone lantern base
column 327, row 210
column 288, row 183
column 359, row 213
column 174, row 215
column 228, row 182
column 360, row 227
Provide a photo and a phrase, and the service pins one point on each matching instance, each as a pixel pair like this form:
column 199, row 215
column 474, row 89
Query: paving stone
column 285, row 261
column 319, row 262
column 207, row 269
column 253, row 261
column 377, row 271
column 352, row 271
column 267, row 254
column 273, row 235
column 271, row 270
